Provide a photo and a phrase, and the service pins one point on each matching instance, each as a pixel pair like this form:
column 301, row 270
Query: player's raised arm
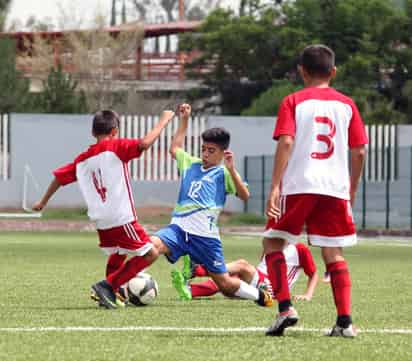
column 151, row 137
column 179, row 137
column 242, row 190
column 53, row 187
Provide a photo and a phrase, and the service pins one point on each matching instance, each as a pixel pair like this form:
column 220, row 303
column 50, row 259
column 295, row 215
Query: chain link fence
column 382, row 202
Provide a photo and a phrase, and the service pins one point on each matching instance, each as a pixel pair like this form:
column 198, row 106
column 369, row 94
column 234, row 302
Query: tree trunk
column 113, row 14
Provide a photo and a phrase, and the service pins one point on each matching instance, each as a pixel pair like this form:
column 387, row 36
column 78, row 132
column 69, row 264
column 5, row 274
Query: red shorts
column 129, row 238
column 328, row 220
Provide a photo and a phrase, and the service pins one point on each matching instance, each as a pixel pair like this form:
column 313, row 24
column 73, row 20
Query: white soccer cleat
column 338, row 331
column 282, row 321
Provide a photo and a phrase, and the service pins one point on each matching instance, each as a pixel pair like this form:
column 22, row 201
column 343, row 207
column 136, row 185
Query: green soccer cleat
column 187, row 270
column 179, row 283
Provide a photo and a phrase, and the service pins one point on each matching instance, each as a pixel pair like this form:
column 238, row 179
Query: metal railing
column 156, row 163
column 384, row 198
column 4, row 146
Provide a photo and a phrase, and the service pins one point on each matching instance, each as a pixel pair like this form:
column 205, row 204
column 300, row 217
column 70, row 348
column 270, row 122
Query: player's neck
column 102, row 138
column 317, row 83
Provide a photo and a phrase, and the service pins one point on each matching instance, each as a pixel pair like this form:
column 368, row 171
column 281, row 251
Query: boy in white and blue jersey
column 193, row 230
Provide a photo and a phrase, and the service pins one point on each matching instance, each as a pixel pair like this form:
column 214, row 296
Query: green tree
column 267, row 103
column 59, row 94
column 371, row 39
column 4, row 8
column 14, row 95
column 238, row 52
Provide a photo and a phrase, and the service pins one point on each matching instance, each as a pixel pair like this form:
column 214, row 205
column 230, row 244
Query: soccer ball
column 142, row 290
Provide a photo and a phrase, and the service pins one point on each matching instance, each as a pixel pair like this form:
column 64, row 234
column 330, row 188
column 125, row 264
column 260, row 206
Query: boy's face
column 212, row 155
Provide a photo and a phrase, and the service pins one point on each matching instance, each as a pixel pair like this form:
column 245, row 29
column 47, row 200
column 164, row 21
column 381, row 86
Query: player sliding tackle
column 298, row 257
column 204, row 185
column 102, row 174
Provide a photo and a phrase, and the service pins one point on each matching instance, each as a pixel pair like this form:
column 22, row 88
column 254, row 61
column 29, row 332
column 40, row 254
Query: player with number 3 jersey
column 314, row 183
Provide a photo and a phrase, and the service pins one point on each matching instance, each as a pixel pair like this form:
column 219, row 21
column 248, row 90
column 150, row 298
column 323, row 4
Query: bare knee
column 159, row 245
column 227, row 285
column 245, row 270
column 273, row 245
column 332, row 254
column 152, row 255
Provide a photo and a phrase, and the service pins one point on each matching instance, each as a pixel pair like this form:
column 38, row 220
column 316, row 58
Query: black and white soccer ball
column 142, row 290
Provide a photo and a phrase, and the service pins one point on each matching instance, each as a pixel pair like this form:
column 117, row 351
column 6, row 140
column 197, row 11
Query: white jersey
column 325, row 124
column 298, row 258
column 103, row 178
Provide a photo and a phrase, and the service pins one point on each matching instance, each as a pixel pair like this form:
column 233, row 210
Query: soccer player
column 316, row 129
column 204, row 185
column 102, row 174
column 298, row 257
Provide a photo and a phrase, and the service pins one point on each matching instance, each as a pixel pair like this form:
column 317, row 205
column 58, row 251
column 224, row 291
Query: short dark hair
column 317, row 60
column 218, row 136
column 104, row 121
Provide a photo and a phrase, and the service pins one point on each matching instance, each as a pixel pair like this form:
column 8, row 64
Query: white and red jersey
column 324, row 124
column 298, row 257
column 103, row 177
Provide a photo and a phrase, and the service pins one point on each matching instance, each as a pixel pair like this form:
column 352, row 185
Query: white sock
column 255, row 280
column 247, row 292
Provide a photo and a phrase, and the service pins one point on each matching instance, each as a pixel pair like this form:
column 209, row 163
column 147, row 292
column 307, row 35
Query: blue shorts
column 203, row 250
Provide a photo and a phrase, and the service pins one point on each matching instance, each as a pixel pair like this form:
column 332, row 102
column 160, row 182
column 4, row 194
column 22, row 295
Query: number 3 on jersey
column 325, row 138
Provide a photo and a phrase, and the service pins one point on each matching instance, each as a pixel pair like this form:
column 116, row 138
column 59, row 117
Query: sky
column 83, row 11
column 74, row 10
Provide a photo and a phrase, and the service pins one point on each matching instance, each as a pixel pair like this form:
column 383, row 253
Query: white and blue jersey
column 193, row 229
column 202, row 195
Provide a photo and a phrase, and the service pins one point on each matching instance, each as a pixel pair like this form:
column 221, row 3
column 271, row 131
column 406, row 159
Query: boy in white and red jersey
column 298, row 257
column 312, row 185
column 102, row 174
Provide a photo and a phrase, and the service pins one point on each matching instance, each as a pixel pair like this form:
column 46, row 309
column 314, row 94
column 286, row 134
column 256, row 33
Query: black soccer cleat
column 104, row 294
column 283, row 321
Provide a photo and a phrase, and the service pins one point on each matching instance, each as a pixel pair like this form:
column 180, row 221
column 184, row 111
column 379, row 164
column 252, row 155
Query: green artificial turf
column 45, row 281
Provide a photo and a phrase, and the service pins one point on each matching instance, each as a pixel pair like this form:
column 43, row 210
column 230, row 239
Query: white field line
column 184, row 329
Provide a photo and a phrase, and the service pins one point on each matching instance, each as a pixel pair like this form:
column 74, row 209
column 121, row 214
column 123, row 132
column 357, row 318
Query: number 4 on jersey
column 325, row 138
column 98, row 184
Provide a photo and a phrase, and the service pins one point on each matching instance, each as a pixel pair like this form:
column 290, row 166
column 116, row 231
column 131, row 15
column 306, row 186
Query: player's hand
column 167, row 115
column 302, row 298
column 37, row 207
column 229, row 159
column 184, row 111
column 272, row 205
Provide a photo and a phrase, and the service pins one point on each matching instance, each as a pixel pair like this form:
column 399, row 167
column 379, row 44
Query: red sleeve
column 128, row 149
column 66, row 174
column 285, row 123
column 357, row 133
column 306, row 259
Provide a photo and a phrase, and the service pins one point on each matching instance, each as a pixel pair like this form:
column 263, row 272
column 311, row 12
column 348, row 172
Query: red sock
column 127, row 271
column 278, row 276
column 200, row 271
column 205, row 288
column 341, row 286
column 114, row 262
